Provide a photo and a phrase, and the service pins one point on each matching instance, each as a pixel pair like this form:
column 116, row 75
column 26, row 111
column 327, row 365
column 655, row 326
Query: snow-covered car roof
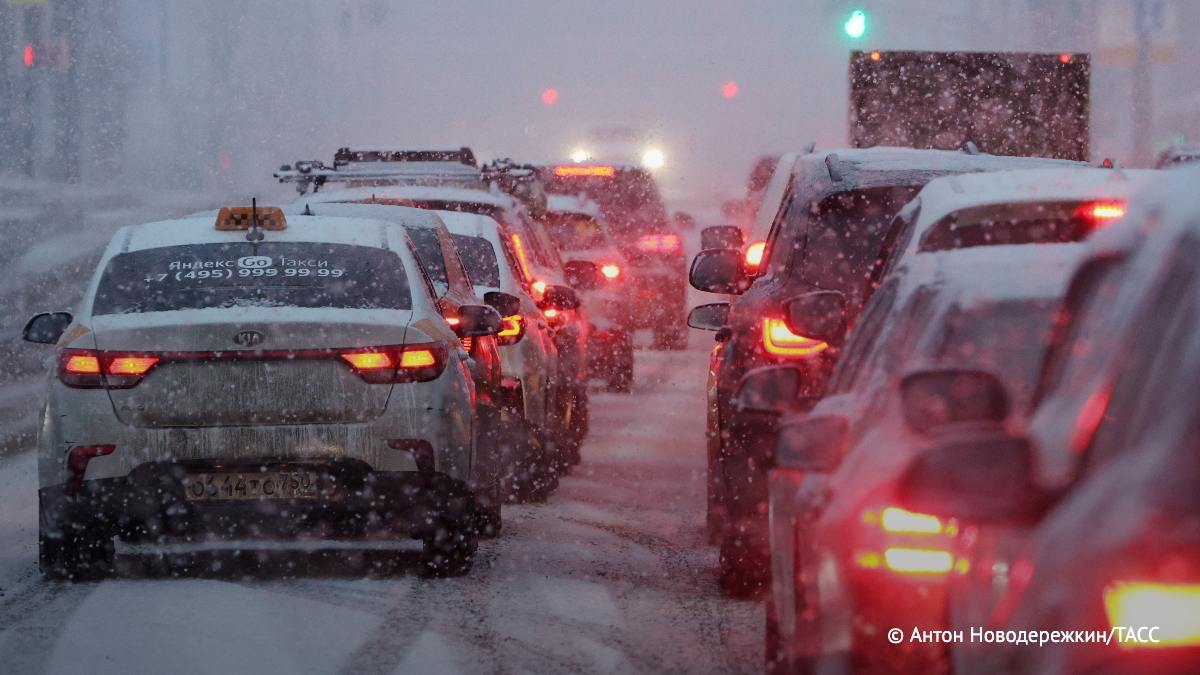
column 572, row 204
column 942, row 196
column 437, row 193
column 326, row 229
column 471, row 224
column 879, row 166
column 406, row 216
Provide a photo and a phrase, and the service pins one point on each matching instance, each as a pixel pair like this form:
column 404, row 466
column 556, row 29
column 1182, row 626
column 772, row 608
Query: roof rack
column 520, row 181
column 368, row 167
column 834, row 164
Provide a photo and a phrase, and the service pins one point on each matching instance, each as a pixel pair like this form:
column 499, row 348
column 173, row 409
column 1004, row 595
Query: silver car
column 257, row 375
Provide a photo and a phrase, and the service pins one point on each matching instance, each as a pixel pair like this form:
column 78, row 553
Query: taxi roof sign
column 233, row 218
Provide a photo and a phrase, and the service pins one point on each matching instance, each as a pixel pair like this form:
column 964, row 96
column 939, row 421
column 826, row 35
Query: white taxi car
column 256, row 374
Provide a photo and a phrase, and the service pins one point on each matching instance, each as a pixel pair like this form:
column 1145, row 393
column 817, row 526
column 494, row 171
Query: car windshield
column 574, row 231
column 479, row 259
column 242, row 274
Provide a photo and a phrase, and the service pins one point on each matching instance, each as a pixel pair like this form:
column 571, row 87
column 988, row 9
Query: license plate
column 255, row 485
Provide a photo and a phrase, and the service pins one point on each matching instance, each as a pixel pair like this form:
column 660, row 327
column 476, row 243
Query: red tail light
column 754, row 256
column 779, row 340
column 87, row 369
column 513, row 331
column 1172, row 607
column 1100, row 212
column 659, row 243
column 538, row 289
column 610, row 271
column 557, row 317
column 399, row 364
column 906, row 542
column 579, row 171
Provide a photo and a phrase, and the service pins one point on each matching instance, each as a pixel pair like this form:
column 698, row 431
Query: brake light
column 131, row 365
column 754, row 255
column 1173, row 608
column 1100, row 212
column 779, row 340
column 918, row 560
column 454, row 321
column 610, row 271
column 513, row 331
column 556, row 317
column 539, row 289
column 568, row 171
column 399, row 364
column 896, row 519
column 82, row 364
column 417, row 358
column 659, row 243
column 87, row 369
column 368, row 360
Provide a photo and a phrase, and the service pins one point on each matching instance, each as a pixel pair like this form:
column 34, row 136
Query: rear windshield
column 629, row 199
column 429, row 254
column 1044, row 223
column 574, row 231
column 479, row 258
column 1006, row 337
column 845, row 234
column 241, row 274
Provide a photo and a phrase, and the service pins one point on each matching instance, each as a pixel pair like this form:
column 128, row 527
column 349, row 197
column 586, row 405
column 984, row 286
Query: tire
column 80, row 553
column 489, row 522
column 448, row 547
column 744, row 568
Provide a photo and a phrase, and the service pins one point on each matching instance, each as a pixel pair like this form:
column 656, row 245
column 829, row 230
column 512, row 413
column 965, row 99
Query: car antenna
column 254, row 234
column 307, row 210
column 808, row 149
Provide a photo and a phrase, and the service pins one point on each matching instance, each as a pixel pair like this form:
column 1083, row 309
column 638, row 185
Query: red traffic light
column 29, row 55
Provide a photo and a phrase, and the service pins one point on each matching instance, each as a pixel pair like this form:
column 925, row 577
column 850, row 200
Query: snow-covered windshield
column 268, row 274
column 479, row 259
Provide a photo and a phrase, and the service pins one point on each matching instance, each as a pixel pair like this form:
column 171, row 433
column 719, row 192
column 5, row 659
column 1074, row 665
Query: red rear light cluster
column 779, row 340
column 1099, row 213
column 610, row 271
column 754, row 256
column 77, row 461
column 659, row 243
column 906, row 542
column 398, row 364
column 88, row 369
column 575, row 171
column 556, row 318
column 513, row 331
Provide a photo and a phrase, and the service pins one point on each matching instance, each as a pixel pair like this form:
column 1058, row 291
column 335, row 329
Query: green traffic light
column 856, row 25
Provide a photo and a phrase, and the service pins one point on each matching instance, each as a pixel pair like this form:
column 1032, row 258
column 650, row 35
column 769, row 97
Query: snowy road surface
column 611, row 575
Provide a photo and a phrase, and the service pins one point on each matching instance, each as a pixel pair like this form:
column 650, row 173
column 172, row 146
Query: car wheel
column 78, row 554
column 744, row 568
column 448, row 546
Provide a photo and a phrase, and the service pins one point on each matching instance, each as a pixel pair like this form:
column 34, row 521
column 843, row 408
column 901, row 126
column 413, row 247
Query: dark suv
column 830, row 239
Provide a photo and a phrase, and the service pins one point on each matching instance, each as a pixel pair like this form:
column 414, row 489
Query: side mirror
column 813, row 443
column 820, row 315
column 504, row 303
column 560, row 298
column 718, row 271
column 582, row 274
column 931, row 399
column 722, row 236
column 712, row 316
column 46, row 328
column 980, row 478
column 479, row 320
column 769, row 389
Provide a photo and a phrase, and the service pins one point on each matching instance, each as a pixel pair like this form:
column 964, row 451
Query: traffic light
column 856, row 24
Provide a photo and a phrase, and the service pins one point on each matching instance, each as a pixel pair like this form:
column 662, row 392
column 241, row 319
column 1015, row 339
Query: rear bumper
column 151, row 503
